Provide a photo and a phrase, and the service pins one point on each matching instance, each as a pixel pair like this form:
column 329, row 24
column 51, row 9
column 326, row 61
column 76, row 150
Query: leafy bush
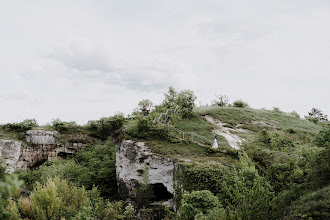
column 63, row 127
column 20, row 127
column 316, row 116
column 57, row 199
column 322, row 139
column 246, row 192
column 313, row 205
column 144, row 192
column 221, row 101
column 196, row 177
column 144, row 107
column 197, row 202
column 240, row 104
column 186, row 102
column 105, row 127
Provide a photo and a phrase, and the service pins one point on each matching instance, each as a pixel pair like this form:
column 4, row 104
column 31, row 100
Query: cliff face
column 131, row 159
column 43, row 148
column 10, row 152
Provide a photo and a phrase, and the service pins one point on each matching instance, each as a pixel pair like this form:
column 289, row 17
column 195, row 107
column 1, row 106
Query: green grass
column 182, row 150
column 200, row 126
column 256, row 120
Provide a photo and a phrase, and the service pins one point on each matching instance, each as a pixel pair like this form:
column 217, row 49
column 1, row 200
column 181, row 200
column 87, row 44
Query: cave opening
column 63, row 155
column 160, row 192
column 38, row 164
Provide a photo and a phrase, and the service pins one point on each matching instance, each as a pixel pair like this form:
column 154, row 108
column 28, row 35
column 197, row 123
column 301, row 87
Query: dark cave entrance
column 63, row 155
column 160, row 192
column 38, row 164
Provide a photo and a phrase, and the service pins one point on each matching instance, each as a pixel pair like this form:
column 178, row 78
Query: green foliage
column 221, row 101
column 240, row 104
column 57, row 199
column 143, row 124
column 105, row 127
column 144, row 107
column 194, row 177
column 246, row 192
column 186, row 102
column 20, row 127
column 95, row 165
column 144, row 193
column 322, row 139
column 63, row 127
column 170, row 100
column 313, row 205
column 7, row 190
column 316, row 116
column 198, row 202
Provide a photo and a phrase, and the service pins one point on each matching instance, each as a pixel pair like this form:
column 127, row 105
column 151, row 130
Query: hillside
column 269, row 165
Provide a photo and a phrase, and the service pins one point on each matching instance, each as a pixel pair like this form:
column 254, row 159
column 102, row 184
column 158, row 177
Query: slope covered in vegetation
column 254, row 182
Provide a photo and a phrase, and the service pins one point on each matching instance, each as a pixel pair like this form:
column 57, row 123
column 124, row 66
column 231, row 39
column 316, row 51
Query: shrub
column 186, row 102
column 221, row 101
column 198, row 202
column 144, row 192
column 62, row 126
column 143, row 124
column 144, row 107
column 105, row 127
column 57, row 199
column 240, row 104
column 20, row 127
column 246, row 192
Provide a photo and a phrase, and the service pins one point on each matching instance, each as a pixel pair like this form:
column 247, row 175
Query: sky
column 87, row 59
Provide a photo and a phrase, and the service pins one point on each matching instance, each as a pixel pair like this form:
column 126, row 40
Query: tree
column 316, row 116
column 221, row 100
column 186, row 102
column 246, row 192
column 170, row 100
column 144, row 192
column 145, row 107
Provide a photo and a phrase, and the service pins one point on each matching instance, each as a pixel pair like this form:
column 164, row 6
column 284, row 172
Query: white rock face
column 10, row 152
column 131, row 159
column 41, row 137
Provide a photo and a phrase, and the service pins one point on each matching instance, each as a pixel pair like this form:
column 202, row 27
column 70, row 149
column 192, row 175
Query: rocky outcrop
column 10, row 152
column 41, row 137
column 41, row 147
column 34, row 156
column 131, row 159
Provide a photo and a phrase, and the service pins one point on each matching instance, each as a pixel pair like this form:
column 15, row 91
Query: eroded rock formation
column 131, row 159
column 42, row 147
column 10, row 152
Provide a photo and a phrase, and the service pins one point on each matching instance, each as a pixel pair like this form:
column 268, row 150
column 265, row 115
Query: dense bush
column 20, row 127
column 240, row 104
column 64, row 127
column 195, row 177
column 246, row 192
column 198, row 202
column 105, row 127
column 95, row 165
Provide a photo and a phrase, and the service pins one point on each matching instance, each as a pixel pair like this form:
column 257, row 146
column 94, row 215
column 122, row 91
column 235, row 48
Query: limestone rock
column 131, row 159
column 41, row 136
column 10, row 152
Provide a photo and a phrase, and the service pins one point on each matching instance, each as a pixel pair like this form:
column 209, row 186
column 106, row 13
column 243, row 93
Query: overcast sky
column 83, row 60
